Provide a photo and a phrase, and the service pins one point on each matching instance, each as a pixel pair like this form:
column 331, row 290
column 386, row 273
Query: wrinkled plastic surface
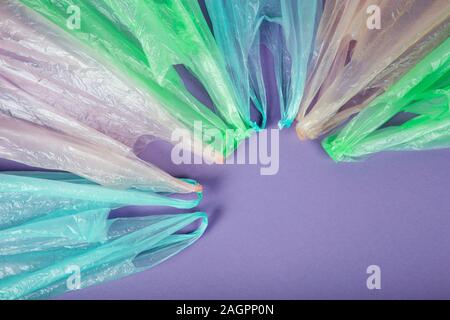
column 53, row 93
column 41, row 147
column 353, row 64
column 421, row 98
column 145, row 40
column 50, row 226
column 40, row 60
column 286, row 28
column 29, row 195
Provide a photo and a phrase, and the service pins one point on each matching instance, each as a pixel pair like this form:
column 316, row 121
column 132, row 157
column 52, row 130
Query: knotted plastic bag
column 358, row 56
column 106, row 164
column 52, row 223
column 412, row 115
column 145, row 40
column 286, row 28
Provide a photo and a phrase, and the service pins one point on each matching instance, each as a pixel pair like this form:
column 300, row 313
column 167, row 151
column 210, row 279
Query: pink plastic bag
column 352, row 63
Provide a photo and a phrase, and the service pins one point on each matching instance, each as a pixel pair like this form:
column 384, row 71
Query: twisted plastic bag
column 412, row 115
column 286, row 28
column 145, row 40
column 49, row 227
column 353, row 64
column 105, row 164
column 29, row 195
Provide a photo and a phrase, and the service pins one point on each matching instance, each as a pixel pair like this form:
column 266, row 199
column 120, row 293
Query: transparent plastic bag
column 353, row 64
column 51, row 92
column 120, row 248
column 414, row 114
column 106, row 164
column 53, row 222
column 286, row 28
column 72, row 85
column 174, row 32
column 26, row 196
column 145, row 40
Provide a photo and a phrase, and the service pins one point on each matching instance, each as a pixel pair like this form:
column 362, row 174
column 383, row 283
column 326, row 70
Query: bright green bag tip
column 332, row 149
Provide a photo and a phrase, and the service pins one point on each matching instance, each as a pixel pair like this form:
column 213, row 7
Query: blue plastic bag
column 287, row 29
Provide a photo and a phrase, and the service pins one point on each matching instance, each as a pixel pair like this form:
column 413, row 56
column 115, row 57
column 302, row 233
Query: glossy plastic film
column 362, row 48
column 55, row 224
column 145, row 40
column 284, row 27
column 413, row 115
column 22, row 141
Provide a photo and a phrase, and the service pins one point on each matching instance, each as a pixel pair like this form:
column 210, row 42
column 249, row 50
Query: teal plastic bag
column 287, row 29
column 62, row 236
column 414, row 114
column 100, row 250
column 28, row 195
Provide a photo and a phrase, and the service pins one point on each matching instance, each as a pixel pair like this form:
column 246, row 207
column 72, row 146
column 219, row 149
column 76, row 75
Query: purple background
column 308, row 232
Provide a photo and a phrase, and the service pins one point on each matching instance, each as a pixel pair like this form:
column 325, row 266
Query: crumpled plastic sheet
column 40, row 60
column 38, row 146
column 69, row 228
column 29, row 195
column 284, row 27
column 353, row 64
column 61, row 110
column 145, row 40
column 412, row 115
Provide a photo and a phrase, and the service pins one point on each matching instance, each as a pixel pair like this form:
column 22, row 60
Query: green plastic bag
column 145, row 40
column 64, row 240
column 420, row 102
